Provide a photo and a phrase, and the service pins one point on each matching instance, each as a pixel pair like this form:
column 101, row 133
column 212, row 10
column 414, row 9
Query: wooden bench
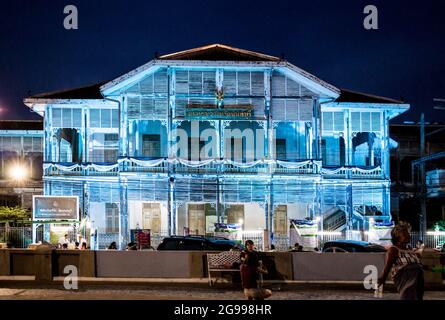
column 222, row 262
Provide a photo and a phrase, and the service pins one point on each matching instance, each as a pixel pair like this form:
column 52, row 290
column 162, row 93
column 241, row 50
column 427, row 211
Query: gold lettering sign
column 211, row 111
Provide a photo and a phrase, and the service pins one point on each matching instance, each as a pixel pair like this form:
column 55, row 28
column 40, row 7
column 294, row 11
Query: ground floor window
column 112, row 217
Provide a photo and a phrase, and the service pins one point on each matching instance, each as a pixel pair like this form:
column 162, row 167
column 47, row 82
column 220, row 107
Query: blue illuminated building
column 218, row 134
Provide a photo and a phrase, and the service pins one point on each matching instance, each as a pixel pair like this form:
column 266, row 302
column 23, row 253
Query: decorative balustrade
column 302, row 167
column 77, row 169
column 149, row 166
column 211, row 166
column 352, row 173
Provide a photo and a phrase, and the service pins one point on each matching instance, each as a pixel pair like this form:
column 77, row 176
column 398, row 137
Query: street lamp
column 18, row 172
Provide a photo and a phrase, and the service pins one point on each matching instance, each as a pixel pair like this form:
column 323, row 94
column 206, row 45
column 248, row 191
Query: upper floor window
column 333, row 146
column 66, row 140
column 104, row 147
column 66, row 118
column 292, row 140
column 148, row 139
column 189, row 82
column 243, row 83
column 366, row 140
column 104, row 118
column 283, row 86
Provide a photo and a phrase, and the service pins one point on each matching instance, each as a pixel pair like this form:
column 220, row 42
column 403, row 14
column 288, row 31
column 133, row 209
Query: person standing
column 250, row 268
column 64, row 240
column 82, row 240
column 404, row 265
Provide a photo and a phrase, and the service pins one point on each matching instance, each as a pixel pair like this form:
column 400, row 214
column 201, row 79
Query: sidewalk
column 12, row 281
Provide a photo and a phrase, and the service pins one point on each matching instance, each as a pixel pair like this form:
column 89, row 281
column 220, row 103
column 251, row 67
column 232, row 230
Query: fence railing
column 17, row 237
column 21, row 237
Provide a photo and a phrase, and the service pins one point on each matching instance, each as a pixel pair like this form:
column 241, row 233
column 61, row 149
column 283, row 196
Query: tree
column 14, row 214
column 440, row 225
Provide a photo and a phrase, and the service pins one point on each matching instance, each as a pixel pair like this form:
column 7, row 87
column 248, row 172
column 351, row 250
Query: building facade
column 218, row 135
column 21, row 157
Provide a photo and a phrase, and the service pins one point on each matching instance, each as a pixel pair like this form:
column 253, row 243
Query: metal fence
column 21, row 237
column 16, row 237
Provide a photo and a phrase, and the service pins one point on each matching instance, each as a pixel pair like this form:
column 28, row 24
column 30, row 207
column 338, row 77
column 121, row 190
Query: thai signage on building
column 210, row 111
column 55, row 208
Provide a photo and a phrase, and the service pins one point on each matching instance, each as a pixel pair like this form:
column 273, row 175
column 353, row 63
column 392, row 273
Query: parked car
column 198, row 243
column 352, row 246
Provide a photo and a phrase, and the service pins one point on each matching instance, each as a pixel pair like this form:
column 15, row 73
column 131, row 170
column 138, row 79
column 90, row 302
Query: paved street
column 153, row 293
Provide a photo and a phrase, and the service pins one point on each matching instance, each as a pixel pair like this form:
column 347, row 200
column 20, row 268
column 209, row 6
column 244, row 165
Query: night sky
column 404, row 58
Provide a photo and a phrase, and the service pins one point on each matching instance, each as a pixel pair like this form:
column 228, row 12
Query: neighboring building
column 218, row 135
column 405, row 189
column 21, row 159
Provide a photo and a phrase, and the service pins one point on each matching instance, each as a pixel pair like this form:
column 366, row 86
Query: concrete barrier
column 301, row 266
column 334, row 266
column 433, row 266
column 83, row 260
column 278, row 265
column 21, row 262
column 5, row 266
column 146, row 264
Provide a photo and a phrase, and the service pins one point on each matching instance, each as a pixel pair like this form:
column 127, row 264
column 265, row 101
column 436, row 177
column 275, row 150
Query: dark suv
column 198, row 243
column 352, row 246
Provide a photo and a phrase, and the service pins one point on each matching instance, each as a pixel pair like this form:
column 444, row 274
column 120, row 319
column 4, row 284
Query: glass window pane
column 115, row 118
column 66, row 118
column 95, row 118
column 77, row 118
column 105, row 118
column 57, row 117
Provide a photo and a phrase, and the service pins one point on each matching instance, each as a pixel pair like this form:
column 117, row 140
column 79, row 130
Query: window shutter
column 147, row 107
column 306, row 110
column 147, row 85
column 230, row 83
column 292, row 88
column 278, row 109
column 278, row 85
column 209, row 82
column 160, row 82
column 257, row 83
column 292, row 110
column 180, row 107
column 195, row 82
column 133, row 107
column 244, row 83
column 182, row 82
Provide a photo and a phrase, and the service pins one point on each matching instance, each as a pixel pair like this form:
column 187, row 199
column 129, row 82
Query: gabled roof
column 21, row 125
column 85, row 92
column 355, row 96
column 218, row 52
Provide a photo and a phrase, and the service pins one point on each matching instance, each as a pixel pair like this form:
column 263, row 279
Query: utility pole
column 423, row 219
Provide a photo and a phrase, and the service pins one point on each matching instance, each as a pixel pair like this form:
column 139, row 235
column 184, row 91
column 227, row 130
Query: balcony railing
column 353, row 173
column 211, row 166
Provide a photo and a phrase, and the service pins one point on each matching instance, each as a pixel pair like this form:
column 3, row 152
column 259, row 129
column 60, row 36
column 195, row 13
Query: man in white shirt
column 63, row 240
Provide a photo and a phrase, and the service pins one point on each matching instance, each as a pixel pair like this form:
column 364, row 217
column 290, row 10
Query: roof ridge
column 219, row 45
column 372, row 95
column 39, row 95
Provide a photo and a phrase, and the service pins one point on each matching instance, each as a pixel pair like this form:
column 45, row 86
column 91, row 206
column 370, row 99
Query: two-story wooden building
column 218, row 134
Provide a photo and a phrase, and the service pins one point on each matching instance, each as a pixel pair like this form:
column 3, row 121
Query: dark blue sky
column 404, row 58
